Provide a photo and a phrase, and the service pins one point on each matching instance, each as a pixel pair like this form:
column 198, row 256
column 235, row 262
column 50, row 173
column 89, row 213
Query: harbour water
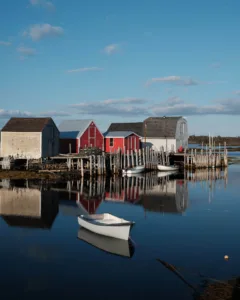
column 190, row 221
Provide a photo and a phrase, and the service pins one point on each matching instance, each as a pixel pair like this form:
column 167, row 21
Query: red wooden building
column 79, row 134
column 124, row 140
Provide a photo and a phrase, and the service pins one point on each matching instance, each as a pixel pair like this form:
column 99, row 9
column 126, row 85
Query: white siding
column 157, row 143
column 21, row 144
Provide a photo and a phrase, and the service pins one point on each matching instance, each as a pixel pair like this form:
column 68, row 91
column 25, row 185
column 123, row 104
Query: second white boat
column 107, row 224
column 167, row 168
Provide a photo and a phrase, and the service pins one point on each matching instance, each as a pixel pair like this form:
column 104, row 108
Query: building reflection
column 26, row 205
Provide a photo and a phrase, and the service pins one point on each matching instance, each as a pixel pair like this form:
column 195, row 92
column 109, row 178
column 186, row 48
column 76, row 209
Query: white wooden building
column 168, row 132
column 30, row 138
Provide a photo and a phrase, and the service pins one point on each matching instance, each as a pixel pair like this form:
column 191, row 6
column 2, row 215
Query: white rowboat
column 107, row 224
column 167, row 168
column 107, row 244
column 134, row 170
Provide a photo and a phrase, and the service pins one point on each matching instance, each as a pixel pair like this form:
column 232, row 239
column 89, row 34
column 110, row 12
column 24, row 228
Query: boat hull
column 118, row 231
column 135, row 170
column 167, row 168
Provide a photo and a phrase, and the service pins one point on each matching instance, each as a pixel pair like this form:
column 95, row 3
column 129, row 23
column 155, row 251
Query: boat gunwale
column 86, row 219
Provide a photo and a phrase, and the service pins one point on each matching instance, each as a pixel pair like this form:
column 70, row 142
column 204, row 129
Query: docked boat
column 134, row 170
column 167, row 168
column 107, row 244
column 107, row 224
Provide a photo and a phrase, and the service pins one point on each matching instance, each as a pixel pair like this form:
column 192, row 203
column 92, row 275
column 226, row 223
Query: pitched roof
column 161, row 126
column 115, row 134
column 134, row 127
column 26, row 124
column 73, row 128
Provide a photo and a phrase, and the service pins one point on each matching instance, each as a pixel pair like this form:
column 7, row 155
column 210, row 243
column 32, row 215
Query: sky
column 122, row 61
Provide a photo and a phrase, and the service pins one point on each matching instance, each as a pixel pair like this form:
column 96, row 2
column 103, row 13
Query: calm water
column 191, row 223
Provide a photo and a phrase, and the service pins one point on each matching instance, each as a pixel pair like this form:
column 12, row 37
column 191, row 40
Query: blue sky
column 118, row 61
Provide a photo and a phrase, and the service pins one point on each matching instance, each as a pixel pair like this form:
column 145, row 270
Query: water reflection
column 35, row 204
column 107, row 244
column 24, row 205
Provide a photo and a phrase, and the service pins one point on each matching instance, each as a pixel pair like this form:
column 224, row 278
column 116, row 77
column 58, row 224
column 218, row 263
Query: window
column 111, row 142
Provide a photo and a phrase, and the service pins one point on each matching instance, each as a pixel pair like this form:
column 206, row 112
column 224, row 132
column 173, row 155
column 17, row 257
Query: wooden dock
column 114, row 163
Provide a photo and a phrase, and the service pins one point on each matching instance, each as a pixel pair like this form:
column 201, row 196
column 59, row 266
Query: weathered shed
column 168, row 132
column 78, row 134
column 30, row 138
column 123, row 140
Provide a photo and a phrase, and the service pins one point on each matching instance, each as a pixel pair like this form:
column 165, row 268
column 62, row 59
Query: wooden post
column 90, row 164
column 132, row 158
column 128, row 159
column 82, row 170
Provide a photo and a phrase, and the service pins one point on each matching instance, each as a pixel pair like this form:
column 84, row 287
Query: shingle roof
column 114, row 134
column 134, row 127
column 161, row 126
column 73, row 128
column 26, row 124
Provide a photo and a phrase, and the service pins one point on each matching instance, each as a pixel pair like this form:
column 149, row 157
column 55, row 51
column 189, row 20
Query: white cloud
column 176, row 80
column 112, row 107
column 6, row 114
column 237, row 92
column 110, row 49
column 216, row 65
column 39, row 31
column 125, row 101
column 54, row 114
column 223, row 107
column 86, row 69
column 42, row 3
column 25, row 51
column 3, row 43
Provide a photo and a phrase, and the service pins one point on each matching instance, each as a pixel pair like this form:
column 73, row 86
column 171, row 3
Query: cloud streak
column 40, row 31
column 110, row 49
column 174, row 80
column 117, row 107
column 6, row 114
column 25, row 51
column 86, row 69
column 6, row 44
column 42, row 3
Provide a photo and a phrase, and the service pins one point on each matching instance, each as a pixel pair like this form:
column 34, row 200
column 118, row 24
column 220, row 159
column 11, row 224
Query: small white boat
column 107, row 244
column 167, row 168
column 106, row 224
column 134, row 170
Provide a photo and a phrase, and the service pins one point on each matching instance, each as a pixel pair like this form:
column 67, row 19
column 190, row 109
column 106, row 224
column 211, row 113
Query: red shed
column 127, row 140
column 79, row 134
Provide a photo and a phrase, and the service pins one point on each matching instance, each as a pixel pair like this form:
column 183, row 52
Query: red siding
column 131, row 142
column 92, row 137
column 117, row 143
column 64, row 145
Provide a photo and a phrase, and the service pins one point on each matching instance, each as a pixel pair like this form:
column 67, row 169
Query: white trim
column 79, row 136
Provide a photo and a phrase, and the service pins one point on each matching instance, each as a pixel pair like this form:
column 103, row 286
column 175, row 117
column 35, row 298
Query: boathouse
column 171, row 133
column 123, row 140
column 79, row 134
column 29, row 138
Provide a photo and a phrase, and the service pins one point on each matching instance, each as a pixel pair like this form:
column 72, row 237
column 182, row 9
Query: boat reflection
column 107, row 244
